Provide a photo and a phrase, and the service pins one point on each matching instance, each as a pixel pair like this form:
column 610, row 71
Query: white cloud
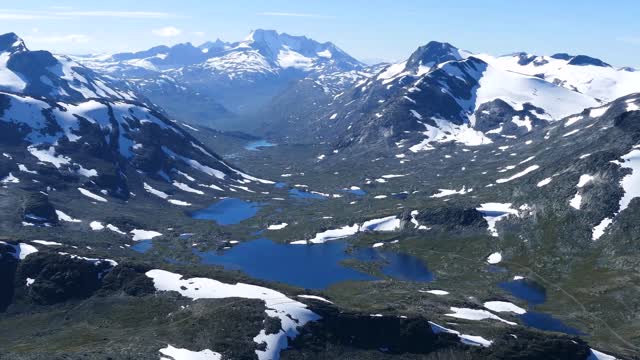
column 5, row 15
column 290, row 14
column 168, row 31
column 59, row 39
column 199, row 33
column 118, row 14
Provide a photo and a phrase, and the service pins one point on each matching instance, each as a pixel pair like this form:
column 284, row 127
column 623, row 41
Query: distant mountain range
column 237, row 77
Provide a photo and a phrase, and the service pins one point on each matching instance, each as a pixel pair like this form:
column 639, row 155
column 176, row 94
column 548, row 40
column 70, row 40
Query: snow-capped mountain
column 441, row 92
column 40, row 73
column 108, row 148
column 239, row 75
column 101, row 146
column 266, row 51
column 580, row 73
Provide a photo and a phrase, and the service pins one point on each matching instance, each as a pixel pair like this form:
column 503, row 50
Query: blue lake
column 528, row 291
column 142, row 246
column 299, row 194
column 358, row 192
column 311, row 266
column 547, row 322
column 535, row 294
column 256, row 145
column 228, row 211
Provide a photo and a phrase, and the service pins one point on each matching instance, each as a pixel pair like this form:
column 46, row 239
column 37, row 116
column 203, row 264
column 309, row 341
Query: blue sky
column 368, row 29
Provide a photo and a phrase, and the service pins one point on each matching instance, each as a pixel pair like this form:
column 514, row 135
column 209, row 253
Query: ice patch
column 172, row 353
column 544, row 182
column 139, row 234
column 494, row 212
column 277, row 226
column 447, row 192
column 494, row 258
column 504, row 306
column 475, row 315
column 435, row 292
column 520, row 174
column 64, row 217
column 91, row 195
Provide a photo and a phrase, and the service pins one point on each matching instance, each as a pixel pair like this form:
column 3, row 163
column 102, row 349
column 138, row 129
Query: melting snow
column 314, row 297
column 520, row 174
column 173, row 353
column 435, row 292
column 465, row 339
column 494, row 212
column 544, row 182
column 333, row 234
column 91, row 195
column 277, row 226
column 21, row 250
column 46, row 243
column 64, row 217
column 475, row 315
column 155, row 192
column 494, row 258
column 504, row 306
column 292, row 314
column 139, row 234
column 446, row 192
column 49, row 156
column 389, row 223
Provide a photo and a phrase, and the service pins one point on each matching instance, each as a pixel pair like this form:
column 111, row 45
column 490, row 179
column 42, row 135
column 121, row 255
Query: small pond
column 299, row 194
column 258, row 144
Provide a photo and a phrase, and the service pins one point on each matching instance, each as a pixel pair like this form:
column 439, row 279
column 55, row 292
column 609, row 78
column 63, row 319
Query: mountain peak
column 434, row 52
column 11, row 42
column 580, row 60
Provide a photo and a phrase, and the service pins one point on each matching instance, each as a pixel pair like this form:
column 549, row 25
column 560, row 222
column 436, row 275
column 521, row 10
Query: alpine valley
column 275, row 198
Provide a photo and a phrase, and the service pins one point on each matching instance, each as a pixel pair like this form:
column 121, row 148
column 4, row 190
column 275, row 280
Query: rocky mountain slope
column 42, row 74
column 438, row 92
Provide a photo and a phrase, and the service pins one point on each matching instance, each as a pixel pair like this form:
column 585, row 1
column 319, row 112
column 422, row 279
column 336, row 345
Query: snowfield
column 504, row 306
column 172, row 353
column 475, row 315
column 494, row 212
column 292, row 314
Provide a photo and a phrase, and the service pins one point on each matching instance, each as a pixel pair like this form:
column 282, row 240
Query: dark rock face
column 531, row 346
column 433, row 53
column 562, row 56
column 8, row 265
column 129, row 278
column 584, row 60
column 58, row 278
column 391, row 333
column 491, row 114
column 497, row 113
column 38, row 209
column 452, row 217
